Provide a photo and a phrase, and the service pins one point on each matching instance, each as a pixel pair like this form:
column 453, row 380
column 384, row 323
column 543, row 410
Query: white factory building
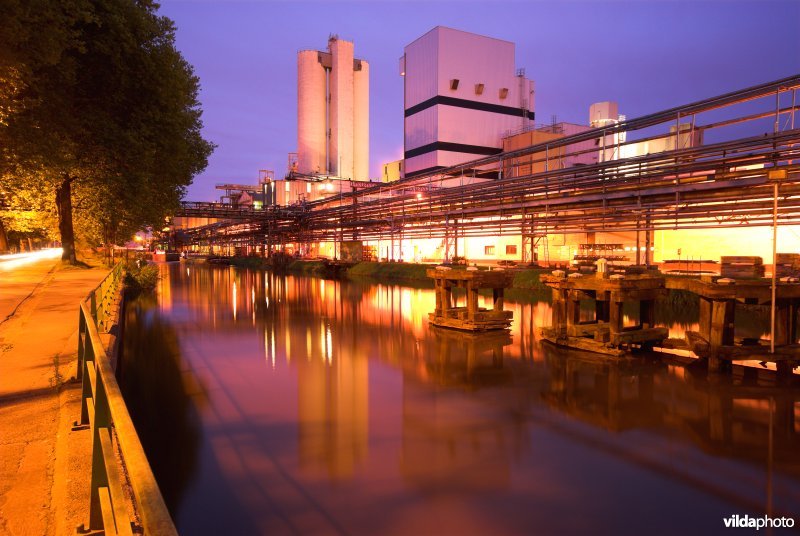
column 333, row 112
column 462, row 94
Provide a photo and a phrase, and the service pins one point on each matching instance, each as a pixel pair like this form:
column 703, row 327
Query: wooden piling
column 472, row 317
column 606, row 333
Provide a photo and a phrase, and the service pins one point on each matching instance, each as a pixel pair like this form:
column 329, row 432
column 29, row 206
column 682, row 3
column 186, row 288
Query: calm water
column 297, row 405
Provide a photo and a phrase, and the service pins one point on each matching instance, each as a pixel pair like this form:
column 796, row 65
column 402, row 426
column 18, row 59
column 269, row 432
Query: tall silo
column 311, row 113
column 361, row 121
column 341, row 107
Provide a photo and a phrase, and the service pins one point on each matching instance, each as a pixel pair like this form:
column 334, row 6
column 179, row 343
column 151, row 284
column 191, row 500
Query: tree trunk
column 3, row 238
column 64, row 205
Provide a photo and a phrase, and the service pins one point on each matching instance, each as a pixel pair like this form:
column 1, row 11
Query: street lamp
column 776, row 176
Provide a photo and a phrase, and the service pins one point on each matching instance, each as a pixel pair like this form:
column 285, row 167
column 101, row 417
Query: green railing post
column 86, row 381
column 99, row 476
column 82, row 336
column 93, row 305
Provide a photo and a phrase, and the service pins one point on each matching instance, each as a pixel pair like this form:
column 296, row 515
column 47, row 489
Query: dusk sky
column 646, row 55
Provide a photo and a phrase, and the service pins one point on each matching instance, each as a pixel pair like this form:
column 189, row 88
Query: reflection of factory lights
column 323, row 341
column 266, row 349
column 328, row 345
column 234, row 300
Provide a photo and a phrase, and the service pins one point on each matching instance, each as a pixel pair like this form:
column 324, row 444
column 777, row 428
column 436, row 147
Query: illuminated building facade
column 462, row 94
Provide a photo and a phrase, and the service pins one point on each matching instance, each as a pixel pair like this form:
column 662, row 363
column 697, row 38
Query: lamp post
column 776, row 176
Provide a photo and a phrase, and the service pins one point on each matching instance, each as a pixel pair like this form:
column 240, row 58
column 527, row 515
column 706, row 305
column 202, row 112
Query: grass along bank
column 524, row 278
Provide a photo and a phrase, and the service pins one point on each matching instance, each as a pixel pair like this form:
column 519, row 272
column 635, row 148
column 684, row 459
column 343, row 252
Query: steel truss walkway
column 727, row 181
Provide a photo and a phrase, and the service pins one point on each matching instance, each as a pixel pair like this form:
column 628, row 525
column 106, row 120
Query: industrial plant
column 481, row 180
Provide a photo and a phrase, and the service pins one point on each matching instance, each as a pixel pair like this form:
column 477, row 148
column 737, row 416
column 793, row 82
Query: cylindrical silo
column 361, row 122
column 341, row 108
column 311, row 114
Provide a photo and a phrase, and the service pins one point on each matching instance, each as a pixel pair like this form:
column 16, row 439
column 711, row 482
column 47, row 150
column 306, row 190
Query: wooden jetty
column 471, row 317
column 718, row 298
column 605, row 333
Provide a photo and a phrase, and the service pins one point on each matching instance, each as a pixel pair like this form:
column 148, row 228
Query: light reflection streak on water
column 234, row 300
column 328, row 344
column 272, row 336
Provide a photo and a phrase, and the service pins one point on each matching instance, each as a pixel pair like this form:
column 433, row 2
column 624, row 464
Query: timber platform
column 472, row 317
column 718, row 298
column 605, row 332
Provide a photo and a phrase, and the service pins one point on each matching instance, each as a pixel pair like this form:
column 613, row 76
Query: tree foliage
column 99, row 111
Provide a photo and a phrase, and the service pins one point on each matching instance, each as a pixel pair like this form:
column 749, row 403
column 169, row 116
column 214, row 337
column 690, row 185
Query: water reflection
column 157, row 387
column 330, row 406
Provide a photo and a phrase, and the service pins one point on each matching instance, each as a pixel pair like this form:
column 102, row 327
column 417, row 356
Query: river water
column 272, row 404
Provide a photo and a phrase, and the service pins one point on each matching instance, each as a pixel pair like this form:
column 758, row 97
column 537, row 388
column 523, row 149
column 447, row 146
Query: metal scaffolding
column 724, row 183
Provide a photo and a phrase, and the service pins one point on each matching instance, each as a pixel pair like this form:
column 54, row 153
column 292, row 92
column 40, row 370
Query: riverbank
column 45, row 467
column 524, row 278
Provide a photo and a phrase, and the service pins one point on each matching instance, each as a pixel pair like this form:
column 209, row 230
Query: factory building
column 462, row 95
column 333, row 112
column 392, row 171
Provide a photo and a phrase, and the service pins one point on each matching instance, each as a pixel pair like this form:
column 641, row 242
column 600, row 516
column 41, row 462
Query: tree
column 104, row 113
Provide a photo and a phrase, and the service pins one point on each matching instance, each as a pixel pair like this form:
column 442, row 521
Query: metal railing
column 103, row 410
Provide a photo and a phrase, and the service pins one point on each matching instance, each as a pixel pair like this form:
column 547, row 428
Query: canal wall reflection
column 157, row 391
column 314, row 386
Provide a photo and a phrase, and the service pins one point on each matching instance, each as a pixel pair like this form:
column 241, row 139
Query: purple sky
column 646, row 55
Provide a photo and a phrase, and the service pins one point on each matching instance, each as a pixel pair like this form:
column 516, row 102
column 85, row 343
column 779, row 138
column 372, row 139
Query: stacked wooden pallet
column 742, row 267
column 788, row 264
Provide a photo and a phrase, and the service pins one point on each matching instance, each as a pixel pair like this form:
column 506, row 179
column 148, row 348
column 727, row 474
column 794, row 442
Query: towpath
column 44, row 466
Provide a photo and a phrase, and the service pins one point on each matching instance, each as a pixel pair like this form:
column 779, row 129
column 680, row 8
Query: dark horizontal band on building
column 471, row 105
column 452, row 147
column 424, row 170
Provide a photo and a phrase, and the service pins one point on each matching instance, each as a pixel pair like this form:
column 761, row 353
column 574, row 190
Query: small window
column 479, row 89
column 488, row 250
column 503, row 92
column 308, row 187
column 511, row 250
column 454, row 83
column 287, row 187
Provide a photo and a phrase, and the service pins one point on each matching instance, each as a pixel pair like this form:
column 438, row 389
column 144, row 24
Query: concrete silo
column 311, row 113
column 341, row 107
column 361, row 120
column 333, row 112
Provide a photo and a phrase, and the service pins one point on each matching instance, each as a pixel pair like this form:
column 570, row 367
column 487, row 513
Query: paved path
column 44, row 465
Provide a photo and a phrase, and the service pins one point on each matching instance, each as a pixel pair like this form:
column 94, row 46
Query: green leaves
column 97, row 91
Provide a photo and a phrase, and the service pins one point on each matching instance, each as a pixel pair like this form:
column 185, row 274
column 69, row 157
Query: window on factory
column 479, row 89
column 488, row 250
column 308, row 187
column 287, row 186
column 511, row 249
column 503, row 92
column 454, row 83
